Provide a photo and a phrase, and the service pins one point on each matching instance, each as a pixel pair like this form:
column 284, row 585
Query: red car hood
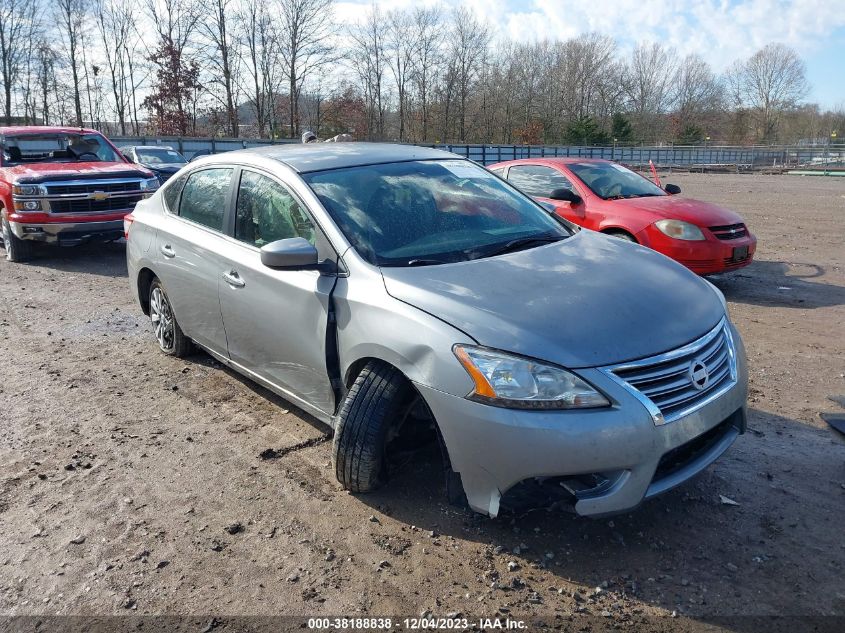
column 41, row 171
column 686, row 209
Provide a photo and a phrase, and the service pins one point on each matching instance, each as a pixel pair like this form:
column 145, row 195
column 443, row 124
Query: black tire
column 377, row 399
column 622, row 235
column 17, row 250
column 171, row 340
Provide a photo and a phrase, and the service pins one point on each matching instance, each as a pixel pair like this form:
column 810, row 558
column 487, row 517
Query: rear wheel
column 17, row 250
column 622, row 235
column 169, row 335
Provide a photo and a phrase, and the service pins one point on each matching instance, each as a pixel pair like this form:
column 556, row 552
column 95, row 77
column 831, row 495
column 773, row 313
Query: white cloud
column 719, row 30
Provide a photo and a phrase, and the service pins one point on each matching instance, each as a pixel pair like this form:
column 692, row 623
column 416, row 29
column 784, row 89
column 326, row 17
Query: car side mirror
column 566, row 195
column 291, row 253
column 672, row 190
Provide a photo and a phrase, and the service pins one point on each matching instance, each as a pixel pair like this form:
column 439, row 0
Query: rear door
column 189, row 244
column 276, row 320
column 538, row 181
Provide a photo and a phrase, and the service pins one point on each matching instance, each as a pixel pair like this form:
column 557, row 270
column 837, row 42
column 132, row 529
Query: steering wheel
column 87, row 156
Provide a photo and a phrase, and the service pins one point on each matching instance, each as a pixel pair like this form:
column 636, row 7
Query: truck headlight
column 27, row 205
column 26, row 190
column 504, row 380
column 680, row 230
column 150, row 184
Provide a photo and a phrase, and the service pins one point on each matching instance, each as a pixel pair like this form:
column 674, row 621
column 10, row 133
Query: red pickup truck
column 64, row 186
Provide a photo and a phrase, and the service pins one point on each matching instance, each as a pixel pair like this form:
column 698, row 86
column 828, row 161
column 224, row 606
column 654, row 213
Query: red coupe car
column 607, row 197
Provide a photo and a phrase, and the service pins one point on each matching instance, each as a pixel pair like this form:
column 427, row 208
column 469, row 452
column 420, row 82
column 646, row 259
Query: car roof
column 15, row 130
column 552, row 160
column 309, row 157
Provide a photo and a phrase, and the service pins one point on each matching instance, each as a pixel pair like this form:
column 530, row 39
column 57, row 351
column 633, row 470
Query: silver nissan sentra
column 393, row 291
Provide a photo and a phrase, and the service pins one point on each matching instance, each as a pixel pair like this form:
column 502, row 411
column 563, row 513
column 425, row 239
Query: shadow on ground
column 108, row 260
column 688, row 550
column 781, row 284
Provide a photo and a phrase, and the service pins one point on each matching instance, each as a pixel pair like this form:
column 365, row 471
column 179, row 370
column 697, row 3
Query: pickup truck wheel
column 17, row 250
column 378, row 399
column 169, row 335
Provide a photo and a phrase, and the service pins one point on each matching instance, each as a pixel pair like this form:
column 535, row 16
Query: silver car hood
column 586, row 301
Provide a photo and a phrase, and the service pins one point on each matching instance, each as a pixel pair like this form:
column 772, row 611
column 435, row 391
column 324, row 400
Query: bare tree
column 71, row 17
column 175, row 22
column 217, row 30
column 305, row 45
column 470, row 39
column 698, row 93
column 768, row 83
column 18, row 24
column 648, row 84
column 426, row 57
column 368, row 57
column 258, row 52
column 401, row 44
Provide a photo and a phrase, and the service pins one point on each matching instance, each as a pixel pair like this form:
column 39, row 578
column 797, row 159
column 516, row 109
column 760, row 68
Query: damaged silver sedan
column 392, row 290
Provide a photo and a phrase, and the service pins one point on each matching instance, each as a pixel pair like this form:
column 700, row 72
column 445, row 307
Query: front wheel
column 378, row 400
column 622, row 235
column 171, row 339
column 17, row 250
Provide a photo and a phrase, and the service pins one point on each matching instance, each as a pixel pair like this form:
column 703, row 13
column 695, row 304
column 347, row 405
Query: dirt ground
column 132, row 483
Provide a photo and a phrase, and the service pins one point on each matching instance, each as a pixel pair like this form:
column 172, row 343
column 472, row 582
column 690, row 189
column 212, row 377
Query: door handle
column 233, row 279
column 167, row 251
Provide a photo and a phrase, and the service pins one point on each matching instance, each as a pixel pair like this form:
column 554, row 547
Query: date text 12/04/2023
column 416, row 624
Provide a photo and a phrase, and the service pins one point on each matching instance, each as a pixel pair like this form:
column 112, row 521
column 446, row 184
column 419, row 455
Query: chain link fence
column 688, row 157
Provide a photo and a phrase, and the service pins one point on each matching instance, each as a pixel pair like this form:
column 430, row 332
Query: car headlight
column 26, row 190
column 150, row 184
column 679, row 230
column 504, row 380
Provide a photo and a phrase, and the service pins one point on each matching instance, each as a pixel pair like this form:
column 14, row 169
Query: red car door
column 538, row 181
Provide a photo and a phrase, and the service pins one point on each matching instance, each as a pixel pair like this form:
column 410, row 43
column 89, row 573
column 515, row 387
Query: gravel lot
column 131, row 482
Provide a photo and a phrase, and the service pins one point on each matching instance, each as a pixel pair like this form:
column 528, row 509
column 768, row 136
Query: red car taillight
column 127, row 224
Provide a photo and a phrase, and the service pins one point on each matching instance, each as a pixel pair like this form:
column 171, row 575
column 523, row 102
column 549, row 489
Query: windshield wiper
column 523, row 242
column 424, row 262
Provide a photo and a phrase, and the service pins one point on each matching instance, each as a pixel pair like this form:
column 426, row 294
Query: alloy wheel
column 161, row 316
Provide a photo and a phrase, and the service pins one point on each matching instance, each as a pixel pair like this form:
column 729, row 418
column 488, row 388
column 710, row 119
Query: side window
column 536, row 180
column 171, row 193
column 204, row 197
column 267, row 212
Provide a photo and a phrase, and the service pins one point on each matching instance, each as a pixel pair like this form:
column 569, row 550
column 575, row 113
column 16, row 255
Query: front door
column 538, row 181
column 276, row 320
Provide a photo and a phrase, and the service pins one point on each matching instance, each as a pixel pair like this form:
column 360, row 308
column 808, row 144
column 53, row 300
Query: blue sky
column 721, row 31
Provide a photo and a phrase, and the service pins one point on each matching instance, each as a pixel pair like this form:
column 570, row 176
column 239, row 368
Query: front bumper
column 703, row 257
column 68, row 233
column 494, row 449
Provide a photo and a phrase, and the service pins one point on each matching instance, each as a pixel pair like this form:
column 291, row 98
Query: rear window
column 205, row 195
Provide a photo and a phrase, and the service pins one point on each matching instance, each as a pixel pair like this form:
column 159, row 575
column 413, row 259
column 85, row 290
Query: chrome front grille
column 679, row 382
column 82, row 187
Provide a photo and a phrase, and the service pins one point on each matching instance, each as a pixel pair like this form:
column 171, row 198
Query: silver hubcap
column 162, row 318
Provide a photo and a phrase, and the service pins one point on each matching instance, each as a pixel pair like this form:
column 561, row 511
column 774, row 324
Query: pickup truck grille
column 677, row 383
column 94, row 206
column 64, row 189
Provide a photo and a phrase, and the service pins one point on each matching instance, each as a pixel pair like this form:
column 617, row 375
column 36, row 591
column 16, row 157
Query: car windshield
column 431, row 212
column 612, row 182
column 158, row 155
column 57, row 147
